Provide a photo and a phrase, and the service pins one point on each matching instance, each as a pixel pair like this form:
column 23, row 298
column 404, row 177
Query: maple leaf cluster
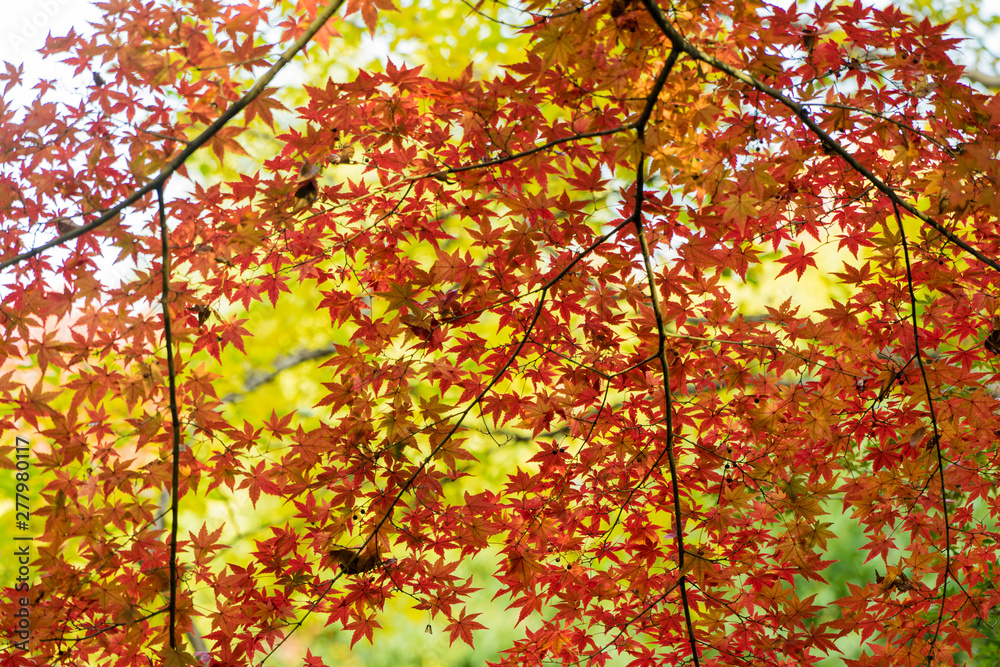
column 537, row 258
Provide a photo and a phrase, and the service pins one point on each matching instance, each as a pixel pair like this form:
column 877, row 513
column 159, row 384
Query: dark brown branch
column 661, row 352
column 107, row 628
column 194, row 144
column 937, row 435
column 174, row 416
column 799, row 110
column 443, row 173
column 194, row 636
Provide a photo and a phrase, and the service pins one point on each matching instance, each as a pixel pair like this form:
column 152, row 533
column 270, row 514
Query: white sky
column 27, row 22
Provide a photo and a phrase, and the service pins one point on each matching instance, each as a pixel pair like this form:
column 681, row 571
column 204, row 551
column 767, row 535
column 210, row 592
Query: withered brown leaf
column 353, row 562
column 992, row 342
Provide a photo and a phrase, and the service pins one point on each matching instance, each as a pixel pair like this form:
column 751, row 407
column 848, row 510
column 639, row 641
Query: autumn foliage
column 537, row 257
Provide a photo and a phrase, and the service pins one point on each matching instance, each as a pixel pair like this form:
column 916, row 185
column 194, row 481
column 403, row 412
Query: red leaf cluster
column 534, row 354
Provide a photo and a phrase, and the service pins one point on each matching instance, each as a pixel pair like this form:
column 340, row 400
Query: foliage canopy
column 523, row 257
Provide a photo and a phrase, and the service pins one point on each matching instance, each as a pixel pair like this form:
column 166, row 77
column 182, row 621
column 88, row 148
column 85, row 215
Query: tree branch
column 193, row 145
column 934, row 424
column 168, row 342
column 799, row 110
column 661, row 352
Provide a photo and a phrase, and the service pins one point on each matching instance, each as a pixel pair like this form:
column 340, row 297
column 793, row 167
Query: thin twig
column 934, row 425
column 166, row 137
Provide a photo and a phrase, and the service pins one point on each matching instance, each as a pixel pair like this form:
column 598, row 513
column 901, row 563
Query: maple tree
column 534, row 258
